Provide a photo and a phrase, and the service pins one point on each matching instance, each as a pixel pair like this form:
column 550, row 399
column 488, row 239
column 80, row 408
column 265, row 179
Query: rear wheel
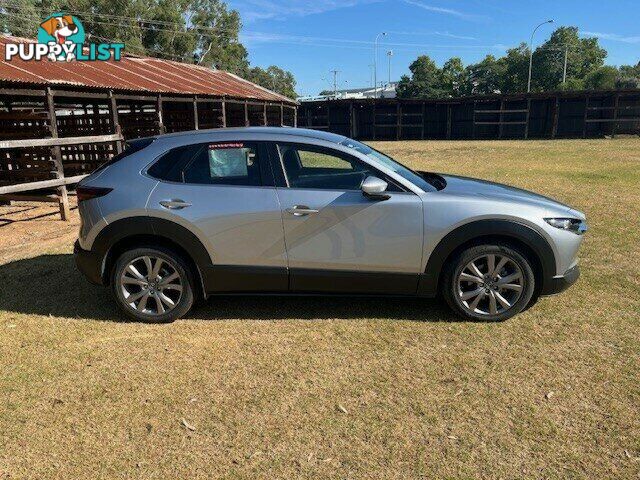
column 488, row 282
column 152, row 285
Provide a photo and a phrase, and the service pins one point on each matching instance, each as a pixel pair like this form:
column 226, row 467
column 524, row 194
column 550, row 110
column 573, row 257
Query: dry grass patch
column 336, row 388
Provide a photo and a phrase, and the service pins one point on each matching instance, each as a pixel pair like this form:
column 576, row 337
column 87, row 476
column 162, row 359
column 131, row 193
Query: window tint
column 224, row 164
column 130, row 147
column 169, row 166
column 318, row 168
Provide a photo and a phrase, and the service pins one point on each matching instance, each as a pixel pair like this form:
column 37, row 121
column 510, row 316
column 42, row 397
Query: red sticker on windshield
column 214, row 146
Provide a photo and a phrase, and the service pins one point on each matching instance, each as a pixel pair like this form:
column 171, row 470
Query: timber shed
column 61, row 120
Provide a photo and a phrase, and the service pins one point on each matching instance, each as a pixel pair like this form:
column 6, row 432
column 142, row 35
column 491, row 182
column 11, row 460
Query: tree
column 484, row 77
column 515, row 69
column 452, row 76
column 193, row 31
column 275, row 79
column 629, row 76
column 425, row 80
column 604, row 78
column 584, row 56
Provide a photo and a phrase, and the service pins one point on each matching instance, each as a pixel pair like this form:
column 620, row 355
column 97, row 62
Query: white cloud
column 444, row 11
column 612, row 36
column 434, row 33
column 252, row 10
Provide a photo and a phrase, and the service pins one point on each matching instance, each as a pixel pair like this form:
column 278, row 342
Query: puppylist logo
column 61, row 38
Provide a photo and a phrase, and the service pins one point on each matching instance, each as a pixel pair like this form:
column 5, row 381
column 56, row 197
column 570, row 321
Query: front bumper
column 89, row 264
column 560, row 284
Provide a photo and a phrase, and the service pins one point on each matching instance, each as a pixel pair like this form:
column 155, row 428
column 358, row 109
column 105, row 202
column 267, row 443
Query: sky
column 313, row 37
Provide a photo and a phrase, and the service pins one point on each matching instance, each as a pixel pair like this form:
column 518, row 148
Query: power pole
column 335, row 82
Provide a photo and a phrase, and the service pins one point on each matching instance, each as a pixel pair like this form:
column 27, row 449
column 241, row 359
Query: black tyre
column 152, row 284
column 488, row 283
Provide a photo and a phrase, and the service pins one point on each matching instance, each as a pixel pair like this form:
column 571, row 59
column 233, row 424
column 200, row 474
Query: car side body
column 281, row 235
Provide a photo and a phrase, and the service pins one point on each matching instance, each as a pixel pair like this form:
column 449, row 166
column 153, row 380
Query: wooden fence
column 52, row 138
column 548, row 115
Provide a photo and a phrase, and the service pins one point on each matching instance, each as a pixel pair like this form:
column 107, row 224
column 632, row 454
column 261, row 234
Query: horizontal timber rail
column 53, row 136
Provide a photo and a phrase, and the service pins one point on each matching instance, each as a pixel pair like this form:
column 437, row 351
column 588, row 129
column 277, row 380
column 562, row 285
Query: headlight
column 574, row 225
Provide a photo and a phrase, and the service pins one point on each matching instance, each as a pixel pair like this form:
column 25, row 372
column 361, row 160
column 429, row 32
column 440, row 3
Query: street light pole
column 531, row 52
column 375, row 63
column 390, row 54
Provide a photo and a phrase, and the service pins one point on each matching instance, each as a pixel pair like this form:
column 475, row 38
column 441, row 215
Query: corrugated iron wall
column 549, row 115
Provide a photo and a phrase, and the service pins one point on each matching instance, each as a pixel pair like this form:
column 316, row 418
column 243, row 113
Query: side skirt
column 232, row 280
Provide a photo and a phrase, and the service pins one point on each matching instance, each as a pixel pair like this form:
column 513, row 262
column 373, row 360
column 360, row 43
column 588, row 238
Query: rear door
column 225, row 194
column 337, row 239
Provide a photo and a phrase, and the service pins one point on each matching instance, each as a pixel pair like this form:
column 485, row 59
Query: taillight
column 87, row 193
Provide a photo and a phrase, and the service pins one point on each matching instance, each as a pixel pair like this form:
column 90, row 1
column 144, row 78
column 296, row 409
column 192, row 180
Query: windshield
column 390, row 163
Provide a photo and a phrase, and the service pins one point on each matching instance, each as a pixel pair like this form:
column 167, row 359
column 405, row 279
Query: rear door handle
column 174, row 204
column 301, row 210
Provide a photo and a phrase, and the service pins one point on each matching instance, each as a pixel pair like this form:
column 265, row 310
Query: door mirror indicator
column 374, row 188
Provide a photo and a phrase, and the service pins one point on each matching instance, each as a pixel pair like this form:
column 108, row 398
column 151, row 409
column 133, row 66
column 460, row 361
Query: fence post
column 246, row 113
column 526, row 125
column 114, row 119
column 196, row 124
column 161, row 127
column 224, row 113
column 615, row 115
column 282, row 114
column 449, row 121
column 586, row 112
column 556, row 114
column 56, row 152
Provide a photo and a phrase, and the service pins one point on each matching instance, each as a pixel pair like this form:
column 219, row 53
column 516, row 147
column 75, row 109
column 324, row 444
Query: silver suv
column 185, row 216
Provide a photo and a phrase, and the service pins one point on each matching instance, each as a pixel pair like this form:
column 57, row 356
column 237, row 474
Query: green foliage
column 426, row 80
column 509, row 74
column 584, row 56
column 193, row 31
column 604, row 78
column 274, row 78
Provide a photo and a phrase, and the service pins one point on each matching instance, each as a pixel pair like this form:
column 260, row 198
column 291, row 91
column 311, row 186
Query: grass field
column 335, row 388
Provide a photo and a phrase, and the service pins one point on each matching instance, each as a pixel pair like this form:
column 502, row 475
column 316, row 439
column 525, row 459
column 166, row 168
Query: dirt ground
column 335, row 388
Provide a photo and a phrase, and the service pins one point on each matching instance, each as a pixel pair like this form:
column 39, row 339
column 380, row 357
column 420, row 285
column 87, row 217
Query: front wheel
column 152, row 285
column 488, row 283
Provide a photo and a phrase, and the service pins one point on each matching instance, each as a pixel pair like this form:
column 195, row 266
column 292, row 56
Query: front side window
column 318, row 168
column 224, row 164
column 389, row 162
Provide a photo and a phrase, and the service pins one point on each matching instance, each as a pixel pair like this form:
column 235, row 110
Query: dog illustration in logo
column 60, row 28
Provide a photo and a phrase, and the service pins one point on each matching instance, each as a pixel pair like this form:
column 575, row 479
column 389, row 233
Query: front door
column 337, row 239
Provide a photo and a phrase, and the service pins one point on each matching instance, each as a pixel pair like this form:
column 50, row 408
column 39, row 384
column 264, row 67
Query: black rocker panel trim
column 428, row 285
column 244, row 279
column 338, row 281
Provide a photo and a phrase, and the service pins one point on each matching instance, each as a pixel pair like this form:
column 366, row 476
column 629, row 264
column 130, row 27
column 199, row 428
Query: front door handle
column 301, row 210
column 174, row 204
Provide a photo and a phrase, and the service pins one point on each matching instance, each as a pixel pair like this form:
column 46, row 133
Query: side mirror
column 374, row 188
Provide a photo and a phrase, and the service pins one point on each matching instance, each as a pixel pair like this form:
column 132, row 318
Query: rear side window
column 170, row 165
column 216, row 163
column 224, row 164
column 130, row 147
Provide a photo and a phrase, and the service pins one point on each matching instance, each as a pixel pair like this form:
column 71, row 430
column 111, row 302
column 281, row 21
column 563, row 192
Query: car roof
column 298, row 132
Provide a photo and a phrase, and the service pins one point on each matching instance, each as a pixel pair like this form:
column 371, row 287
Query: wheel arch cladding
column 132, row 232
column 533, row 244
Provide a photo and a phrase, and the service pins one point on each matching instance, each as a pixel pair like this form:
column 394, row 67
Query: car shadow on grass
column 51, row 285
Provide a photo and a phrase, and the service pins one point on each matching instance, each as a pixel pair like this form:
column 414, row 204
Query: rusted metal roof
column 131, row 73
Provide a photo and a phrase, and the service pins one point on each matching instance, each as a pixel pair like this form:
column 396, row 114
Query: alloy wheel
column 151, row 285
column 490, row 284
